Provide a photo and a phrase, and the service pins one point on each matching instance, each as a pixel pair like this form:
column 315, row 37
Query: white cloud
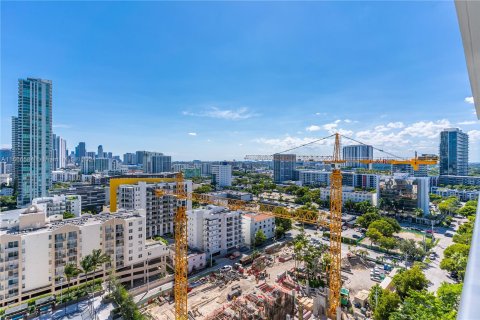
column 344, row 132
column 227, row 114
column 427, row 129
column 330, row 127
column 313, row 128
column 287, row 142
column 395, row 125
column 474, row 135
column 467, row 122
column 469, row 100
column 192, row 134
column 320, row 113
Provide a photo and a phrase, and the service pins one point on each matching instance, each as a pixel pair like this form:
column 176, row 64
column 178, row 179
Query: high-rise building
column 283, row 167
column 222, row 174
column 453, row 152
column 103, row 164
column 100, row 151
column 156, row 162
column 357, row 152
column 59, row 147
column 80, row 151
column 32, row 139
column 87, row 165
column 139, row 157
column 91, row 154
column 129, row 159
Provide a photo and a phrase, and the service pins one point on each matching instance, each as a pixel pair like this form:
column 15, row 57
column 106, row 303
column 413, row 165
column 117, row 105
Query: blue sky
column 218, row 80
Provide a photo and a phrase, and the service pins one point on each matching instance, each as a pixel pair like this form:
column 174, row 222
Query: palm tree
column 70, row 271
column 98, row 259
column 87, row 266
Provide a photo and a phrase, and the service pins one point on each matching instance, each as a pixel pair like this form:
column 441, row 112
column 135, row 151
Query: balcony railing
column 469, row 306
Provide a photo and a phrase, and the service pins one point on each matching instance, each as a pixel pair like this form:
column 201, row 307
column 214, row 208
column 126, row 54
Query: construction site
column 273, row 286
column 270, row 287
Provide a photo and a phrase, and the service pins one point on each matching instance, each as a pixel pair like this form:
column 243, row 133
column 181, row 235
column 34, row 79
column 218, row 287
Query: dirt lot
column 410, row 235
column 210, row 296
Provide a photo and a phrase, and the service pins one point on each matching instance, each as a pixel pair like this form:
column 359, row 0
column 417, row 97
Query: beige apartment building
column 34, row 251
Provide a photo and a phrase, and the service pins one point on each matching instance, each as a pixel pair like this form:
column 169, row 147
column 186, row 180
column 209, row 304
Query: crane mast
column 181, row 254
column 335, row 230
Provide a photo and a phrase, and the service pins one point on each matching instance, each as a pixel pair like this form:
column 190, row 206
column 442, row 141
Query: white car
column 225, row 268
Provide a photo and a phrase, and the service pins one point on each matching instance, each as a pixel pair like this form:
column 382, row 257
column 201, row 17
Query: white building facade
column 214, row 230
column 60, row 204
column 349, row 193
column 253, row 222
column 222, row 175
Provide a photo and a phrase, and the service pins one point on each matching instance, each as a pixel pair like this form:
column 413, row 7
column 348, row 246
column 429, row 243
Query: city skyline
column 211, row 90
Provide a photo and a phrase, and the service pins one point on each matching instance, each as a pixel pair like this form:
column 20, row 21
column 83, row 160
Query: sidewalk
column 80, row 311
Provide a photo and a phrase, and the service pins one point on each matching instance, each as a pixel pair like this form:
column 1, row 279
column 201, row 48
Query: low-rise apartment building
column 66, row 175
column 462, row 195
column 60, row 204
column 349, row 193
column 253, row 222
column 34, row 251
column 214, row 230
column 93, row 197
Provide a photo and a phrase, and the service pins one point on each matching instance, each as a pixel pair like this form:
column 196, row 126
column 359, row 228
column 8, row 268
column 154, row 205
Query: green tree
column 387, row 242
column 68, row 215
column 279, row 231
column 374, row 235
column 383, row 227
column 467, row 211
column 394, row 223
column 260, row 237
column 285, row 223
column 367, row 218
column 387, row 304
column 205, row 188
column 127, row 307
column 412, row 279
column 425, row 306
column 410, row 249
column 70, row 272
column 8, row 203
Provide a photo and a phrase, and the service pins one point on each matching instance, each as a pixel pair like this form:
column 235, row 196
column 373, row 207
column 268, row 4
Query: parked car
column 429, row 231
column 226, row 268
column 355, row 236
column 432, row 256
column 448, row 234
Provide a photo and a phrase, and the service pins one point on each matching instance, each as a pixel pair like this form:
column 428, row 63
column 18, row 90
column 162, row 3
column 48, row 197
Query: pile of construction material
column 268, row 302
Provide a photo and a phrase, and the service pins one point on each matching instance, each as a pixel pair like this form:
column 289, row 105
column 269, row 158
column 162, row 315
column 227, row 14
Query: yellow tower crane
column 334, row 273
column 300, row 215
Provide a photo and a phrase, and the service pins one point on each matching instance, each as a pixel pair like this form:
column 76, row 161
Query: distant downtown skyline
column 227, row 79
